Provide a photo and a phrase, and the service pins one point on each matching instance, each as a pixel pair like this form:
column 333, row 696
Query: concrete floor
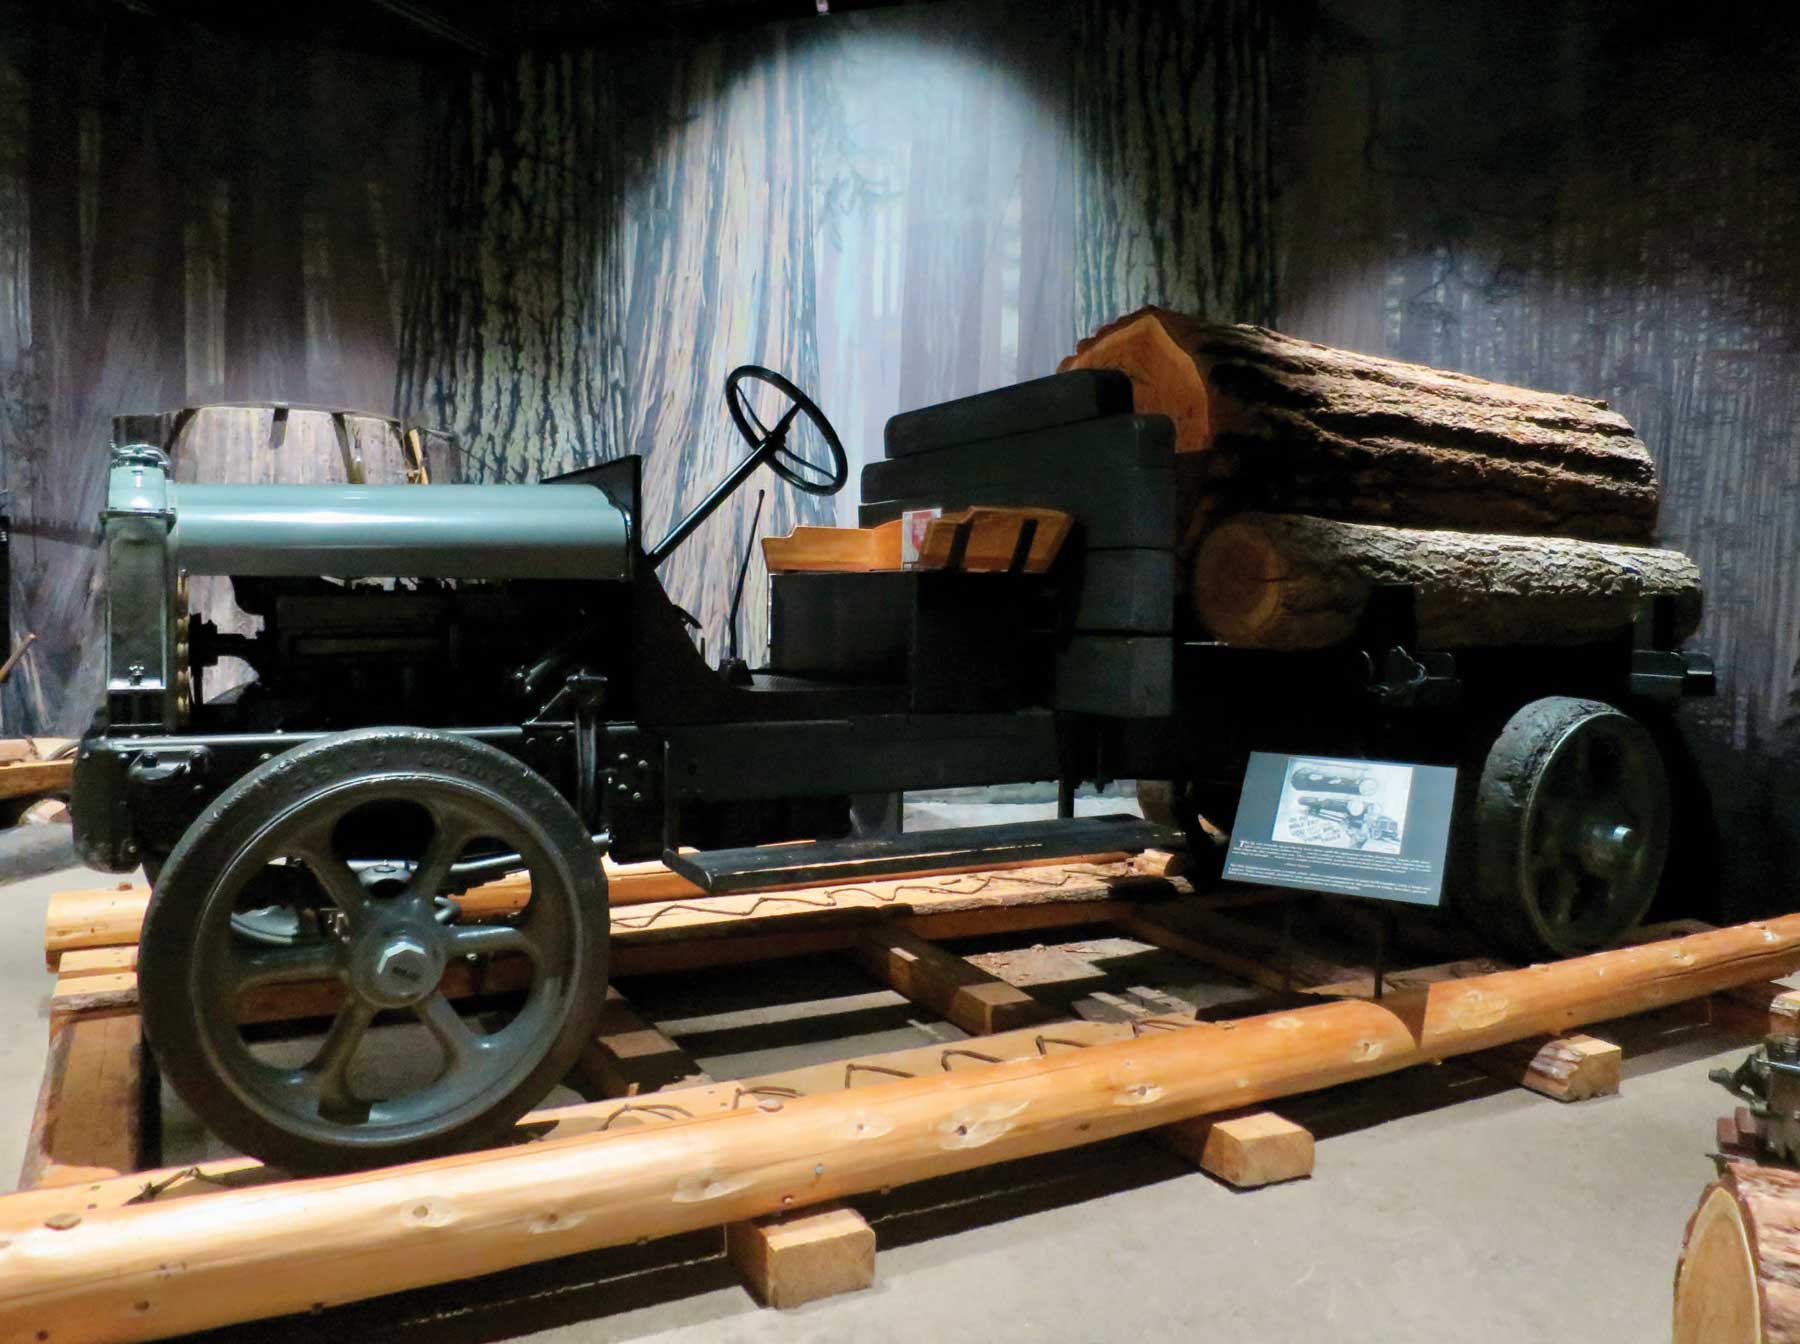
column 1444, row 1207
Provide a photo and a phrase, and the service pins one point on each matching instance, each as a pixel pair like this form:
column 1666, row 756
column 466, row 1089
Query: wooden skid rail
column 81, row 1263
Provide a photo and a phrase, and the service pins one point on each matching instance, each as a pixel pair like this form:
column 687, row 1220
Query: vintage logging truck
column 458, row 682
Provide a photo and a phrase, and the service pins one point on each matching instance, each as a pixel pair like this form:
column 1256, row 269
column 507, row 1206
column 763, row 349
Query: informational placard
column 1357, row 828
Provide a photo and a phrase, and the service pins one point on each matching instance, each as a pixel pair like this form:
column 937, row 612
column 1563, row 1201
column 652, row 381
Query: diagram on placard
column 1335, row 804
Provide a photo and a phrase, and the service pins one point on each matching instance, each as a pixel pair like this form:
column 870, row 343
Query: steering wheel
column 772, row 446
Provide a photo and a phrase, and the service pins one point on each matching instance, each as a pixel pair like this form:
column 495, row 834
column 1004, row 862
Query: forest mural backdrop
column 559, row 255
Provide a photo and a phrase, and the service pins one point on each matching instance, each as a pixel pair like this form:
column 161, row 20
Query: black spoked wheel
column 317, row 879
column 1572, row 823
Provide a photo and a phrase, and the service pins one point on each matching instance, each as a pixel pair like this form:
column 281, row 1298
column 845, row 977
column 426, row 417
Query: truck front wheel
column 315, row 886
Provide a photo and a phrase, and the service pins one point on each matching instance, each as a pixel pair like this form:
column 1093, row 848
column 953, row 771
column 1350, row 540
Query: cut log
column 1265, row 421
column 1280, row 581
column 1736, row 1282
column 149, row 1270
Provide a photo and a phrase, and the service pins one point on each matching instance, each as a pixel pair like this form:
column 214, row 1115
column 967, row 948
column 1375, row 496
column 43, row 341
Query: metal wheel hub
column 1588, row 818
column 397, row 967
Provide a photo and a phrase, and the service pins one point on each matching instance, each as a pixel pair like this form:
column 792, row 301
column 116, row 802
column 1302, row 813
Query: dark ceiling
column 477, row 28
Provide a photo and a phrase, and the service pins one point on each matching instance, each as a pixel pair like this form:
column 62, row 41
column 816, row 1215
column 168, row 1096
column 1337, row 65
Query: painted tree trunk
column 721, row 274
column 1171, row 110
column 512, row 336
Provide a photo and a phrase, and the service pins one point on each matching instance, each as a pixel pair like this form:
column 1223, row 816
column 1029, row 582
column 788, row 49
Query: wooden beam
column 629, row 1056
column 89, row 1122
column 93, row 992
column 24, row 778
column 29, row 1208
column 949, row 986
column 1569, row 1067
column 148, row 1269
column 1195, row 929
column 788, row 1260
column 1363, row 986
column 1246, row 1149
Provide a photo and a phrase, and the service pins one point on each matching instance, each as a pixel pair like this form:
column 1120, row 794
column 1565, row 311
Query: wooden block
column 790, row 1260
column 45, row 812
column 966, row 995
column 83, row 961
column 89, row 1121
column 16, row 749
column 1246, row 1150
column 629, row 1056
column 1571, row 1067
column 1767, row 1008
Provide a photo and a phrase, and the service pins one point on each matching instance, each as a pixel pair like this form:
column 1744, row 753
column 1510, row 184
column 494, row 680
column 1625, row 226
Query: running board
column 765, row 867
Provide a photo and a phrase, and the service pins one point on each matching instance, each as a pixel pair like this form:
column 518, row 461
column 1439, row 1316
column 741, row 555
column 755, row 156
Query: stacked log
column 1310, row 477
column 1738, row 1280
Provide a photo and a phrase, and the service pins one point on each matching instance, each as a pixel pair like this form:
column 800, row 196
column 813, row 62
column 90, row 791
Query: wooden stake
column 150, row 1270
column 790, row 1260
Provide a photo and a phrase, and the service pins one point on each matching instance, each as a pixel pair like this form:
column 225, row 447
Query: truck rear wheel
column 1571, row 820
column 317, row 879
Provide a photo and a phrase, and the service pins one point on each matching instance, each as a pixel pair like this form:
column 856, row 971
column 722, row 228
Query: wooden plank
column 90, row 1113
column 834, row 549
column 629, row 1056
column 21, row 779
column 1567, row 1067
column 1247, row 1149
column 113, row 917
column 991, row 536
column 293, row 1246
column 788, row 1260
column 949, row 986
column 86, row 961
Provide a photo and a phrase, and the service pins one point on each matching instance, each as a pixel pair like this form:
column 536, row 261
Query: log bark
column 1738, row 1280
column 149, row 1270
column 1267, row 421
column 1288, row 582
